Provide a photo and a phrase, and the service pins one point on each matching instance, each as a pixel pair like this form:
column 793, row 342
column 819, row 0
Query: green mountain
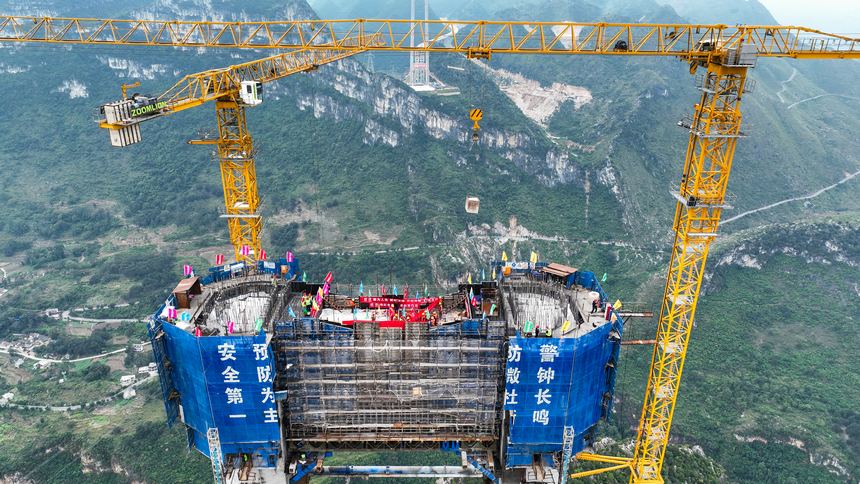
column 353, row 162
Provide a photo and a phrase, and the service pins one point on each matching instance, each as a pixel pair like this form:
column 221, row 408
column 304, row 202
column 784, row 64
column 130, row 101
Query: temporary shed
column 185, row 292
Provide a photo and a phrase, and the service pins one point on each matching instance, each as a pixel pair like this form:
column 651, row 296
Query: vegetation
column 97, row 342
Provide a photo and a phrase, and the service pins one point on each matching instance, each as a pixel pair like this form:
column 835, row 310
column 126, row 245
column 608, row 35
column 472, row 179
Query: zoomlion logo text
column 149, row 108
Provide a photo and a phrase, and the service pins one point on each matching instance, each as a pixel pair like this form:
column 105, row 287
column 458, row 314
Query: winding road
column 794, row 199
column 69, row 408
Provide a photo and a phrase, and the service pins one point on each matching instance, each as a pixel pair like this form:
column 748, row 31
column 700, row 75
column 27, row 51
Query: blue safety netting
column 225, row 382
column 279, row 267
column 551, row 383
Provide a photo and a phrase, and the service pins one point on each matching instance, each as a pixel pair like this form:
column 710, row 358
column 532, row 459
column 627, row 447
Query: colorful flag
column 292, row 313
column 219, row 260
column 171, row 313
column 483, row 275
column 360, row 288
column 259, row 324
column 197, row 332
column 617, row 304
column 494, row 273
column 394, row 290
column 426, row 292
column 565, row 326
column 329, row 277
column 529, row 327
column 246, row 250
column 289, row 256
column 504, row 256
column 187, row 270
column 304, row 277
column 469, row 280
column 492, row 309
column 185, row 316
column 533, row 258
column 262, row 254
column 603, row 279
column 230, row 325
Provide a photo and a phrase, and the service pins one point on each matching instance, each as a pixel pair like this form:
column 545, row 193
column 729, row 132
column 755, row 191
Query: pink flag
column 197, row 332
column 289, row 256
column 329, row 277
column 171, row 313
column 230, row 327
column 187, row 269
column 262, row 254
column 219, row 259
column 246, row 250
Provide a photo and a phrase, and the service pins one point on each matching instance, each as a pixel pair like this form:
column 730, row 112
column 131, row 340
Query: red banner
column 384, row 302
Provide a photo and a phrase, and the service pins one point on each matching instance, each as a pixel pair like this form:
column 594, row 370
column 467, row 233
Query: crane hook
column 476, row 115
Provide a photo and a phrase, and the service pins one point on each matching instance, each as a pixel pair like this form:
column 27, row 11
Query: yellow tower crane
column 233, row 89
column 724, row 52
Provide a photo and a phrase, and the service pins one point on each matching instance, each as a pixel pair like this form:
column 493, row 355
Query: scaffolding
column 418, row 383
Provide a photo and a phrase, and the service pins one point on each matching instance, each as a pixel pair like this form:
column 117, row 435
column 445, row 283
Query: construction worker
column 306, row 304
column 595, row 305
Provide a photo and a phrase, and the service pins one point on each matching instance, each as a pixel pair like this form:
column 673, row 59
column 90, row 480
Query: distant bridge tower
column 418, row 76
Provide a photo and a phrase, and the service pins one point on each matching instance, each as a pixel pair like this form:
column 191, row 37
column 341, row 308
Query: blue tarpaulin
column 551, row 383
column 226, row 382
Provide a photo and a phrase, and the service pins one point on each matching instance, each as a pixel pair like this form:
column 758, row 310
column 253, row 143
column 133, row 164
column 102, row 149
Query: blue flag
column 304, row 277
column 394, row 290
column 483, row 275
column 292, row 313
column 361, row 288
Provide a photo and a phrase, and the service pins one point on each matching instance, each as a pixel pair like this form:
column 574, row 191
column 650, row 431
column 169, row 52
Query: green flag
column 528, row 327
column 603, row 279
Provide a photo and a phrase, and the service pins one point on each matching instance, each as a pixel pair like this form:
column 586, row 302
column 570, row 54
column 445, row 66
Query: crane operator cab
column 251, row 92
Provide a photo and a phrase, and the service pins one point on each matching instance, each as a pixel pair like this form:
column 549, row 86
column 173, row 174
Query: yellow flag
column 565, row 326
column 494, row 274
column 617, row 304
column 470, row 278
column 534, row 258
column 504, row 256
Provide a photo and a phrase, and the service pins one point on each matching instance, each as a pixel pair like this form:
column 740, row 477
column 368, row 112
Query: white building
column 127, row 380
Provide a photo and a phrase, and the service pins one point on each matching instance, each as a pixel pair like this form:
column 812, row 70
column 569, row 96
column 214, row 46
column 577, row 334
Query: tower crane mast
column 725, row 52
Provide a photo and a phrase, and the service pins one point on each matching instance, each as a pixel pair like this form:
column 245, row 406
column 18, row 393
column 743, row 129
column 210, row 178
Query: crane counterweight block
column 116, row 118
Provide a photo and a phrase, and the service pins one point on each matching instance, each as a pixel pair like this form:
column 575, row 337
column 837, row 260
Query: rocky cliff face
column 390, row 111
